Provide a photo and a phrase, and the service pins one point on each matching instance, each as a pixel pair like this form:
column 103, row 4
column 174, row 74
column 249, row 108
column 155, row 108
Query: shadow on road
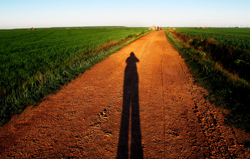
column 130, row 110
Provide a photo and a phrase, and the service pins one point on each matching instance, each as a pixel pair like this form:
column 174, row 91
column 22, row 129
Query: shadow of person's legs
column 124, row 129
column 136, row 145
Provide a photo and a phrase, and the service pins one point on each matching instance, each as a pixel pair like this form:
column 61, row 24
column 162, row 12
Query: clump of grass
column 226, row 90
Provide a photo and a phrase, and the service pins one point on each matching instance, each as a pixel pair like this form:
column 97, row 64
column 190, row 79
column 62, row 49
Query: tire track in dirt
column 83, row 119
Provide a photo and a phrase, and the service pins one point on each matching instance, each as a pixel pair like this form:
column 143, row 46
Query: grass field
column 239, row 37
column 230, row 47
column 33, row 63
column 215, row 67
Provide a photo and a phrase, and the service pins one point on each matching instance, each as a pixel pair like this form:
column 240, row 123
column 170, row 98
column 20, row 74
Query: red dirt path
column 162, row 112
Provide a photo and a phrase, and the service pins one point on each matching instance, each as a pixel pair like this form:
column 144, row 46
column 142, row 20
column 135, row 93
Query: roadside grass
column 238, row 37
column 226, row 90
column 60, row 68
column 228, row 47
column 26, row 53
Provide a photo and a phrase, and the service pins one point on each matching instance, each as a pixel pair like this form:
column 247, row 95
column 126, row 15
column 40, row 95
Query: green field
column 239, row 37
column 35, row 62
column 220, row 65
column 230, row 47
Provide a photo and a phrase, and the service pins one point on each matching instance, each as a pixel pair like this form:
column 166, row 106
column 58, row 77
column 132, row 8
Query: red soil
column 151, row 109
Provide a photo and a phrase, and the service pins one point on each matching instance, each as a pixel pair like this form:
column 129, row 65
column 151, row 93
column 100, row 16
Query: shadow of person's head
column 132, row 54
column 132, row 59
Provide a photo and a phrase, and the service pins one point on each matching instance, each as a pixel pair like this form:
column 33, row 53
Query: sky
column 130, row 13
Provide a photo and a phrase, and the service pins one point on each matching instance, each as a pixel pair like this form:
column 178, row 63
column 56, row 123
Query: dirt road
column 141, row 102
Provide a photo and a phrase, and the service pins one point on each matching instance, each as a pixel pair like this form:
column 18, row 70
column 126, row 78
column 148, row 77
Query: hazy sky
column 138, row 13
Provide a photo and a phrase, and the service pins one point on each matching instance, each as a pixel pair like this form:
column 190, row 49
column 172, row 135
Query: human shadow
column 130, row 110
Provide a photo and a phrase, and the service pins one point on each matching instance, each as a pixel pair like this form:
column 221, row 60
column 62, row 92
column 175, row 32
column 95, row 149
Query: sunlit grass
column 34, row 63
column 227, row 46
column 226, row 89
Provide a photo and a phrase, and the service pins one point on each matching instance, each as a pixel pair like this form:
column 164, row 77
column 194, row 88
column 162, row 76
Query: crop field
column 220, row 60
column 228, row 46
column 35, row 60
column 239, row 37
